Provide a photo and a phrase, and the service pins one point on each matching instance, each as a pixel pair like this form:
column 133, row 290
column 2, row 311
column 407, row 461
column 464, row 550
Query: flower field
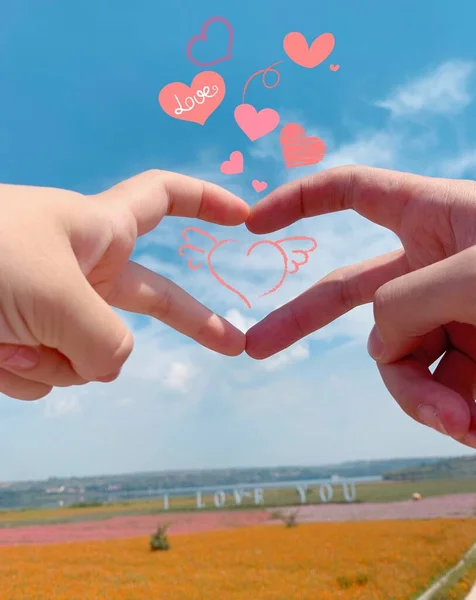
column 379, row 560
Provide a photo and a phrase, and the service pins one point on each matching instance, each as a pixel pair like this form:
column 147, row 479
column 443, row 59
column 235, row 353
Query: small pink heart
column 256, row 124
column 234, row 165
column 334, row 67
column 259, row 186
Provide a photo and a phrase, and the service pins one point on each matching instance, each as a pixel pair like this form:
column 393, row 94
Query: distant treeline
column 80, row 490
column 449, row 468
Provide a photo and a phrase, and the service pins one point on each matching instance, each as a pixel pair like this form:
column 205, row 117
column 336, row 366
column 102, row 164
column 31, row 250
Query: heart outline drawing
column 202, row 37
column 290, row 265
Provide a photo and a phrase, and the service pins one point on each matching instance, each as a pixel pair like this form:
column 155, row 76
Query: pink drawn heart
column 298, row 149
column 195, row 103
column 259, row 186
column 256, row 124
column 234, row 165
column 202, row 37
column 296, row 48
column 334, row 67
column 250, row 250
column 294, row 252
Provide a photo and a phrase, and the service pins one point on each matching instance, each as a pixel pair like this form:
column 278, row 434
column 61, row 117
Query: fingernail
column 375, row 345
column 428, row 415
column 23, row 358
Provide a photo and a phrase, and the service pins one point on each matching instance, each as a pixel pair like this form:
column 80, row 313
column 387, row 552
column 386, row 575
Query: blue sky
column 78, row 109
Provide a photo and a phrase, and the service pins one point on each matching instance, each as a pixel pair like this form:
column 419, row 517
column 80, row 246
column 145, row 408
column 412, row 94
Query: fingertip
column 224, row 208
column 240, row 212
column 256, row 343
column 221, row 336
column 255, row 226
column 235, row 344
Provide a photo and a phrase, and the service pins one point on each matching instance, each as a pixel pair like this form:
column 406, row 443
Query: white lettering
column 353, row 495
column 190, row 101
column 179, row 110
column 302, row 491
column 259, row 496
column 238, row 496
column 219, row 499
column 325, row 497
column 199, row 500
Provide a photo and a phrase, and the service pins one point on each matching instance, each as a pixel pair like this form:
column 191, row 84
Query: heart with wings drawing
column 294, row 253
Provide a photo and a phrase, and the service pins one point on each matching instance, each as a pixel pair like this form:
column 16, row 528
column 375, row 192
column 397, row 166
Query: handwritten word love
column 195, row 103
column 191, row 101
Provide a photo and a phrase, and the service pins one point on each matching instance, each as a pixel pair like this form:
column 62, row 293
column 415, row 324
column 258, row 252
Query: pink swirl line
column 265, row 72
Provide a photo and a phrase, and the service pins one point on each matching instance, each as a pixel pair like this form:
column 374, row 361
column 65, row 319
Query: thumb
column 409, row 307
column 85, row 328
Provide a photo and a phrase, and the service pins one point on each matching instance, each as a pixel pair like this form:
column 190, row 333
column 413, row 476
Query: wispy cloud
column 239, row 320
column 63, row 405
column 179, row 377
column 296, row 353
column 443, row 90
column 459, row 166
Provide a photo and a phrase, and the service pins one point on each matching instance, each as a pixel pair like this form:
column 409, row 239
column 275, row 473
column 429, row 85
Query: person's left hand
column 64, row 260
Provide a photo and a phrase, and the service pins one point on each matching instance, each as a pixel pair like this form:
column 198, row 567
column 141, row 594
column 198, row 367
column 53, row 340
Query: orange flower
column 358, row 561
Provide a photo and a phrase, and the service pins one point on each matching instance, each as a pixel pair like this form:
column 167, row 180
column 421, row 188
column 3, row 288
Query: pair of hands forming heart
column 65, row 262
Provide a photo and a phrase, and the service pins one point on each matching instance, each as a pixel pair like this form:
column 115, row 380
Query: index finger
column 154, row 194
column 379, row 195
column 336, row 294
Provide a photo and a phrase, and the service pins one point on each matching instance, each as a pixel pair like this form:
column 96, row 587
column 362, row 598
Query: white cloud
column 179, row 376
column 443, row 90
column 294, row 354
column 239, row 320
column 59, row 405
column 458, row 166
column 374, row 149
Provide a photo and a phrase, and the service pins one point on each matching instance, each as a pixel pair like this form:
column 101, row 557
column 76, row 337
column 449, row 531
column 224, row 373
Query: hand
column 64, row 261
column 424, row 296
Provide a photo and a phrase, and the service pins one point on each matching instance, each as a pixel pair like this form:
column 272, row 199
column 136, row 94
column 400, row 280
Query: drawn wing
column 198, row 244
column 297, row 250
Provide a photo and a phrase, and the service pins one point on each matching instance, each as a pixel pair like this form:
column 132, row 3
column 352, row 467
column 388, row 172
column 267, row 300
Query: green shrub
column 288, row 518
column 362, row 579
column 344, row 582
column 159, row 540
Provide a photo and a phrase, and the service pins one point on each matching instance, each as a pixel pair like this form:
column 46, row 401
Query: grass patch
column 460, row 582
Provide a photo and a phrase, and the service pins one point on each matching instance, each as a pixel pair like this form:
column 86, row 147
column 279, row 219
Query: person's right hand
column 424, row 296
